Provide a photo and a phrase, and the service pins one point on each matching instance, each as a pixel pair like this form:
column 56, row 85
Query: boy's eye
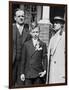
column 35, row 32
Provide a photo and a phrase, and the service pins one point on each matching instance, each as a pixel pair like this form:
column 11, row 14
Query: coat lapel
column 40, row 43
column 32, row 48
column 56, row 44
column 25, row 33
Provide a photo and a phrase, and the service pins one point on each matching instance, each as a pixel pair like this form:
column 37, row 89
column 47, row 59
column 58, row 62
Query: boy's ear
column 30, row 32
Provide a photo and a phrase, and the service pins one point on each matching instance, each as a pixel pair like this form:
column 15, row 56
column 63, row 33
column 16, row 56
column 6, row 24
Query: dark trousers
column 34, row 81
column 16, row 74
column 15, row 70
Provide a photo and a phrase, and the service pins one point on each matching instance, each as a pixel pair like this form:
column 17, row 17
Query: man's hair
column 17, row 9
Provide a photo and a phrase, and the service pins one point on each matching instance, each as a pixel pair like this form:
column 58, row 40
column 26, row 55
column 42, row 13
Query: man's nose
column 21, row 18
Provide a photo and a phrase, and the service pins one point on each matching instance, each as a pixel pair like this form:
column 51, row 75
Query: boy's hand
column 42, row 73
column 22, row 77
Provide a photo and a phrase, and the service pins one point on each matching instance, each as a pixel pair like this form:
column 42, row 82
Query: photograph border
column 11, row 43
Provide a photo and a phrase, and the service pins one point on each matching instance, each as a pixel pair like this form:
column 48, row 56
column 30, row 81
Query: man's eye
column 18, row 16
column 21, row 16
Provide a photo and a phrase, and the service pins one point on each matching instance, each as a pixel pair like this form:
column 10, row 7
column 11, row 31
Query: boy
column 34, row 59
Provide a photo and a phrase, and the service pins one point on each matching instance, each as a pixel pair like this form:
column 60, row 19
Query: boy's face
column 35, row 33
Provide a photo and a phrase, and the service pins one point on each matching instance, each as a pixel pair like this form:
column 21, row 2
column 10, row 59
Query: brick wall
column 44, row 33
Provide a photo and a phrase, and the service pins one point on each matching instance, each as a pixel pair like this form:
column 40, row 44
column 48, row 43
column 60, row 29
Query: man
column 34, row 59
column 56, row 53
column 20, row 36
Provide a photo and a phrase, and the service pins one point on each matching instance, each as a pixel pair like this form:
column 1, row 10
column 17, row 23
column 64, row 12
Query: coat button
column 54, row 62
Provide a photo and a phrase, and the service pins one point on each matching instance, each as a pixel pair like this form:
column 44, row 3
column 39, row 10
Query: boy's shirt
column 34, row 41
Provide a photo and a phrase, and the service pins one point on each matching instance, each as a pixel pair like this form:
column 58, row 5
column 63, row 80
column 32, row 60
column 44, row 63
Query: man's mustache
column 21, row 19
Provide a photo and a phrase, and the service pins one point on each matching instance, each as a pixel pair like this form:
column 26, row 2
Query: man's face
column 35, row 33
column 57, row 26
column 19, row 18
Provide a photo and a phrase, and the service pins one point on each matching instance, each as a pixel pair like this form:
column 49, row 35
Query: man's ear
column 15, row 18
column 31, row 33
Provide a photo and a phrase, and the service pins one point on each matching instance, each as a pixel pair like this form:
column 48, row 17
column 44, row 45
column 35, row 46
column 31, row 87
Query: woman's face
column 57, row 26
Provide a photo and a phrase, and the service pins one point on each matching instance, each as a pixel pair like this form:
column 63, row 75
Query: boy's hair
column 33, row 26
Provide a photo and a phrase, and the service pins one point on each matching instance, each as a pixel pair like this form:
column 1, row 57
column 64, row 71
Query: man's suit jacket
column 18, row 40
column 33, row 61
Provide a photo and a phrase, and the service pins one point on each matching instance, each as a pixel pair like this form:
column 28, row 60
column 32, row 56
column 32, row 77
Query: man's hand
column 22, row 77
column 42, row 73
